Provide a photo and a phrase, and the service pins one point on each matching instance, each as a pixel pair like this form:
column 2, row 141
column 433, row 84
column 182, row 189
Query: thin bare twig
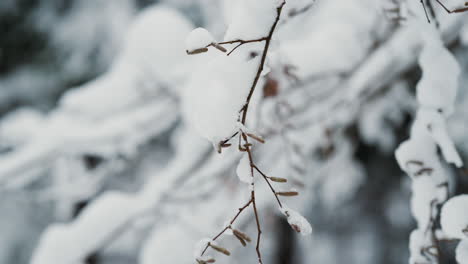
column 243, row 136
column 457, row 10
column 229, row 226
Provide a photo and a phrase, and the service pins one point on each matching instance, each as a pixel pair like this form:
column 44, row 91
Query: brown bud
column 277, row 179
column 200, row 261
column 296, row 228
column 259, row 139
column 287, row 193
column 242, row 235
column 220, row 249
column 242, row 241
column 196, row 51
column 219, row 47
column 270, row 89
column 225, row 145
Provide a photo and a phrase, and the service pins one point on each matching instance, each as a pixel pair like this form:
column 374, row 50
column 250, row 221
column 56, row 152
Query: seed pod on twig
column 219, row 47
column 259, row 139
column 287, row 193
column 278, row 179
column 197, row 51
column 220, row 249
column 242, row 241
column 200, row 261
column 242, row 235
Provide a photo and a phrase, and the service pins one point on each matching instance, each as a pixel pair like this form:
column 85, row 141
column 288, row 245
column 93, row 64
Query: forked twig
column 243, row 136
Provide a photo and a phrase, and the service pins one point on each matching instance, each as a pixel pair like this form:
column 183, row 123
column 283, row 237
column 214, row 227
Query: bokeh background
column 352, row 190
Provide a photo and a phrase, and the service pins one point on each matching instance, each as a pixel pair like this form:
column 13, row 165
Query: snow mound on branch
column 461, row 253
column 155, row 43
column 415, row 149
column 20, row 125
column 153, row 56
column 308, row 43
column 297, row 221
column 244, row 171
column 88, row 231
column 417, row 241
column 197, row 39
column 217, row 92
column 440, row 72
column 454, row 217
column 430, row 123
column 251, row 19
column 424, row 192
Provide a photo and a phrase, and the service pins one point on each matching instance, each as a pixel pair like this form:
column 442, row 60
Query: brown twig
column 269, row 184
column 430, row 7
column 239, row 42
column 425, row 11
column 262, row 62
column 457, row 10
column 229, row 226
column 243, row 136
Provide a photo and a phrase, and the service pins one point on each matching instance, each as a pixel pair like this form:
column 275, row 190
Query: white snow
column 197, row 39
column 297, row 221
column 454, row 216
column 155, row 45
column 251, row 19
column 418, row 241
column 153, row 56
column 20, row 125
column 440, row 71
column 244, row 171
column 200, row 246
column 431, row 123
column 71, row 243
column 415, row 150
column 461, row 252
column 424, row 192
column 216, row 93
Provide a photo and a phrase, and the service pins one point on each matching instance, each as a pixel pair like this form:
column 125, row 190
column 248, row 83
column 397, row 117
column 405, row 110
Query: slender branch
column 229, row 226
column 430, row 7
column 239, row 41
column 269, row 184
column 259, row 229
column 425, row 10
column 458, row 10
column 244, row 136
column 262, row 62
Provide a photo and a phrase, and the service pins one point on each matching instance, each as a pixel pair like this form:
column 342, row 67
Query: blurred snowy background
column 99, row 166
